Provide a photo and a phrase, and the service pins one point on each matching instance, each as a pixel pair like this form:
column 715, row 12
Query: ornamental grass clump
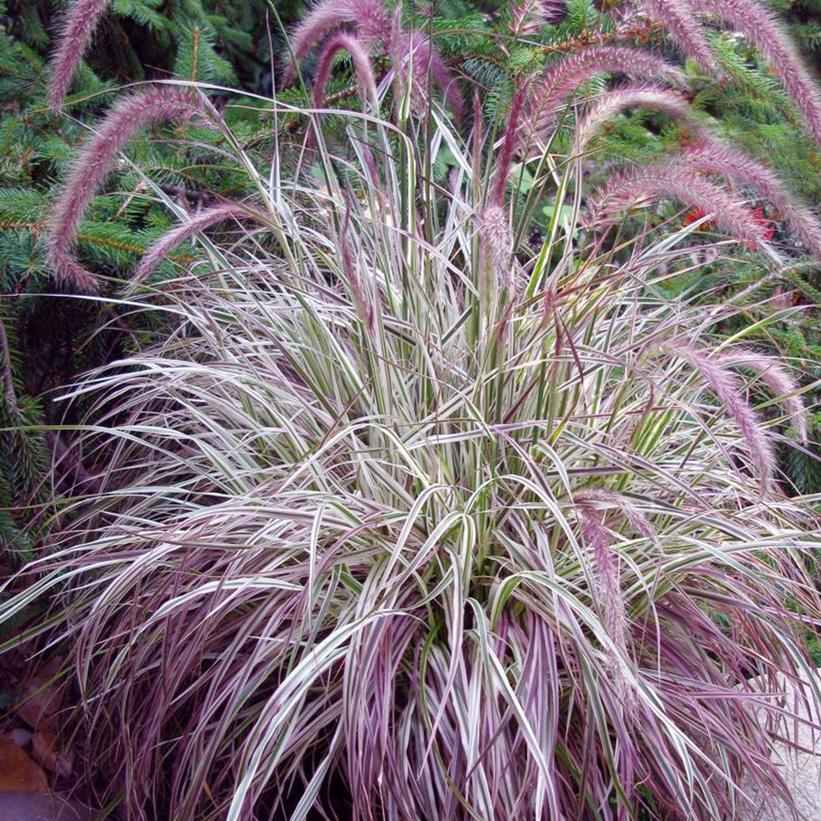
column 408, row 518
column 373, row 523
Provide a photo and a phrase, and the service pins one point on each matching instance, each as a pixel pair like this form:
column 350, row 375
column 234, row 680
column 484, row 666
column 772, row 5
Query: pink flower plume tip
column 685, row 29
column 713, row 157
column 760, row 25
column 78, row 25
column 152, row 105
column 361, row 64
column 571, row 72
column 727, row 386
column 674, row 181
column 623, row 98
column 180, row 233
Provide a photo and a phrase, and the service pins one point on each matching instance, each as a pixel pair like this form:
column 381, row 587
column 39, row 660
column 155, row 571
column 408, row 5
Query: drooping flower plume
column 180, row 233
column 78, row 25
column 566, row 76
column 674, row 181
column 361, row 64
column 685, row 29
column 527, row 16
column 376, row 32
column 778, row 381
column 655, row 97
column 420, row 61
column 761, row 26
column 366, row 16
column 729, row 389
column 714, row 157
column 130, row 115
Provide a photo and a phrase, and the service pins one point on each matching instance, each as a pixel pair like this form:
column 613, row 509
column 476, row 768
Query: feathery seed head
column 497, row 238
column 714, row 157
column 422, row 64
column 510, row 144
column 180, row 233
column 78, row 25
column 361, row 64
column 567, row 75
column 777, row 379
column 130, row 115
column 669, row 180
column 528, row 16
column 728, row 388
column 685, row 29
column 761, row 26
column 625, row 97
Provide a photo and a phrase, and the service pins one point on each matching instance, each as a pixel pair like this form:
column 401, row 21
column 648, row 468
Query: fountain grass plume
column 194, row 225
column 511, row 142
column 685, row 29
column 77, row 26
column 528, row 16
column 714, row 157
column 497, row 239
column 623, row 98
column 375, row 30
column 361, row 64
column 366, row 17
column 761, row 26
column 130, row 115
column 415, row 51
column 728, row 388
column 778, row 380
column 679, row 182
column 609, row 594
column 567, row 75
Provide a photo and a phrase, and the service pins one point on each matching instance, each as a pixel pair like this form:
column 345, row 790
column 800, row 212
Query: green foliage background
column 51, row 337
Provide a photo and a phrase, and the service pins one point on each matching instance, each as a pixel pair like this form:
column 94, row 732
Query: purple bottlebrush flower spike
column 528, row 16
column 362, row 67
column 761, row 26
column 713, row 157
column 728, row 388
column 620, row 99
column 777, row 379
column 566, row 76
column 685, row 29
column 374, row 28
column 497, row 239
column 681, row 183
column 510, row 144
column 78, row 24
column 366, row 16
column 414, row 49
column 155, row 104
column 635, row 518
column 608, row 593
column 199, row 222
